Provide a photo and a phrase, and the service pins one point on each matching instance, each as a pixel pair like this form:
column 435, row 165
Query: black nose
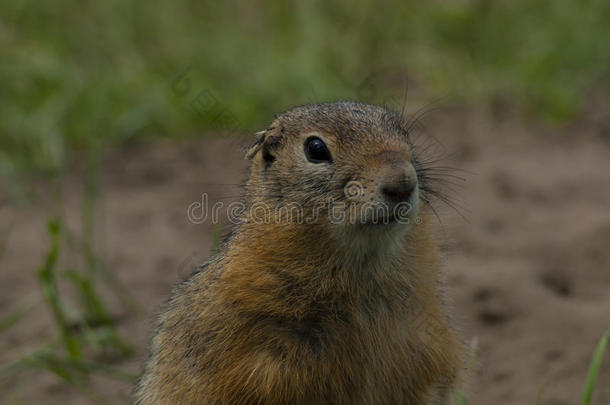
column 398, row 191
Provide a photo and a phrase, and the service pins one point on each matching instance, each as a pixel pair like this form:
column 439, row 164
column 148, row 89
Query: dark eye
column 316, row 150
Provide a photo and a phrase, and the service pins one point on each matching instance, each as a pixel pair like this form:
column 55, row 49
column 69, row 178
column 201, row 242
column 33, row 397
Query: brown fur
column 315, row 312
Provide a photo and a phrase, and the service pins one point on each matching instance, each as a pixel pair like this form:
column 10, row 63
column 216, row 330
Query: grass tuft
column 87, row 332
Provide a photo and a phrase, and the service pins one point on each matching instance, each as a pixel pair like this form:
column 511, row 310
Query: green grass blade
column 97, row 317
column 12, row 318
column 540, row 394
column 47, row 276
column 71, row 370
column 96, row 312
column 594, row 368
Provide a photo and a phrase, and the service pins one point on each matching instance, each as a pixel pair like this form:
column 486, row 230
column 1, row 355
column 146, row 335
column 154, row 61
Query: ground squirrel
column 328, row 290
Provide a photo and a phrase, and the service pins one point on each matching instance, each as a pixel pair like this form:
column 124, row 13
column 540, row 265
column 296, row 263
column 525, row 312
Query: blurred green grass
column 80, row 74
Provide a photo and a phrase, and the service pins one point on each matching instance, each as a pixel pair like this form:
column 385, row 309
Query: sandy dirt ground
column 528, row 269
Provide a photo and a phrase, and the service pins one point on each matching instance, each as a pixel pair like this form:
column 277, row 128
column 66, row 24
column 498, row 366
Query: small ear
column 258, row 144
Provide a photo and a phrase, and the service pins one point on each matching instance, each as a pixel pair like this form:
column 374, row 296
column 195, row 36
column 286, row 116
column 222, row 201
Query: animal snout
column 398, row 192
column 398, row 184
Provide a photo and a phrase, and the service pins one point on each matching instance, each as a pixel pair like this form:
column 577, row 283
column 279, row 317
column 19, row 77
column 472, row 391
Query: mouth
column 375, row 213
column 383, row 221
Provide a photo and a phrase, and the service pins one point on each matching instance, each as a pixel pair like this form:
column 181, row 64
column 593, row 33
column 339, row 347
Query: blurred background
column 116, row 116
